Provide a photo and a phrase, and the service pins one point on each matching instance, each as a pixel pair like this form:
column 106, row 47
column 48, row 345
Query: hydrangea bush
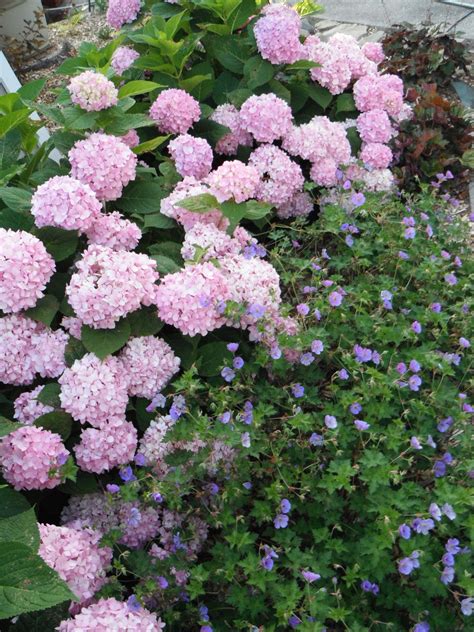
column 235, row 359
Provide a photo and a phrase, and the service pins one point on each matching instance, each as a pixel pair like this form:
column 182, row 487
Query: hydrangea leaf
column 103, row 342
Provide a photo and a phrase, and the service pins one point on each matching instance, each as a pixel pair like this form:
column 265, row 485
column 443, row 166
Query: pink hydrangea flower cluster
column 123, row 57
column 31, row 458
column 266, row 117
column 114, row 231
column 376, row 155
column 192, row 156
column 28, row 408
column 76, row 556
column 374, row 126
column 209, row 242
column 110, row 284
column 72, row 325
column 233, row 180
column 27, row 348
column 120, row 12
column 94, row 391
column 149, row 364
column 277, row 34
column 131, row 138
column 229, row 116
column 190, row 187
column 25, row 269
column 374, row 52
column 280, row 177
column 102, row 449
column 92, row 91
column 379, row 180
column 110, row 614
column 103, row 162
column 384, row 92
column 300, row 204
column 153, row 445
column 175, row 111
column 190, row 299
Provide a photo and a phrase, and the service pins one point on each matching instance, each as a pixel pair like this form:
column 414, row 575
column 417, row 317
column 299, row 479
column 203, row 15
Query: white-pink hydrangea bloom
column 359, row 63
column 266, row 117
column 131, row 138
column 209, row 242
column 229, row 116
column 149, row 363
column 109, row 614
column 72, row 325
column 25, row 269
column 110, row 284
column 153, row 445
column 379, row 180
column 277, row 34
column 175, row 111
column 102, row 449
column 103, row 162
column 76, row 556
column 383, row 92
column 94, row 391
column 120, row 12
column 233, row 180
column 320, row 139
column 300, row 204
column 27, row 348
column 191, row 299
column 31, row 458
column 114, row 231
column 64, row 202
column 122, row 58
column 28, row 408
column 280, row 177
column 373, row 51
column 374, row 126
column 324, row 172
column 92, row 91
column 376, row 155
column 192, row 156
column 189, row 187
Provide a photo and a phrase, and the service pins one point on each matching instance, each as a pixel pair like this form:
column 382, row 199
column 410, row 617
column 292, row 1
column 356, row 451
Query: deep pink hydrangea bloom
column 66, row 203
column 109, row 614
column 175, row 111
column 373, row 51
column 376, row 155
column 192, row 156
column 122, row 58
column 149, row 363
column 31, row 458
column 114, row 231
column 103, row 162
column 374, row 126
column 102, row 449
column 120, row 12
column 190, row 299
column 383, row 92
column 28, row 408
column 229, row 116
column 76, row 556
column 25, row 269
column 277, row 34
column 27, row 348
column 233, row 180
column 131, row 138
column 94, row 391
column 280, row 177
column 110, row 284
column 300, row 204
column 209, row 242
column 266, row 117
column 190, row 187
column 92, row 91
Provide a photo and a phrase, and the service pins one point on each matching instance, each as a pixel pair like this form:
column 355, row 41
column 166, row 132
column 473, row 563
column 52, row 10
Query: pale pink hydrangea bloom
column 102, row 449
column 76, row 556
column 280, row 177
column 122, row 58
column 31, row 457
column 266, row 117
column 28, row 408
column 120, row 12
column 229, row 116
column 192, row 156
column 109, row 614
column 110, row 284
column 277, row 34
column 175, row 111
column 359, row 63
column 103, row 162
column 190, row 299
column 383, row 92
column 131, row 138
column 374, row 126
column 209, row 242
column 64, row 202
column 324, row 172
column 149, row 364
column 379, row 180
column 320, row 139
column 25, row 269
column 94, row 391
column 28, row 347
column 189, row 187
column 300, row 204
column 114, row 231
column 373, row 51
column 233, row 180
column 376, row 155
column 92, row 91
column 153, row 445
column 72, row 325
